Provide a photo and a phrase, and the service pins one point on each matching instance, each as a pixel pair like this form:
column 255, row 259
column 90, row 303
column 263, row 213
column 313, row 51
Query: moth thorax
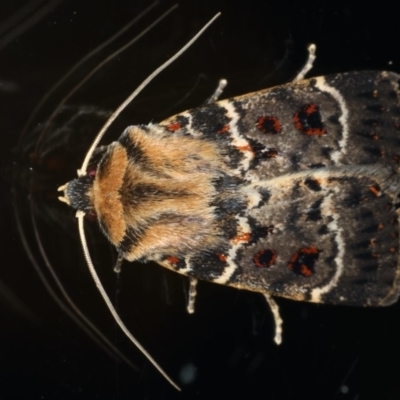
column 77, row 193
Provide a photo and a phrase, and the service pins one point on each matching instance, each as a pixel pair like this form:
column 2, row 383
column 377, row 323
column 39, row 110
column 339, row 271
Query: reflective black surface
column 226, row 346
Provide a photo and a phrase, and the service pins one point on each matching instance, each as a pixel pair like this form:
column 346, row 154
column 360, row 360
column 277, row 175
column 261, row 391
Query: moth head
column 78, row 193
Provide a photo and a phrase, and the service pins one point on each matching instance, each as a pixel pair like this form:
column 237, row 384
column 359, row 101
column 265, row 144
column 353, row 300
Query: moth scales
column 290, row 191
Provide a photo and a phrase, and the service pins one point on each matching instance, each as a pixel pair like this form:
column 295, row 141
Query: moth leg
column 309, row 63
column 192, row 295
column 117, row 266
column 218, row 91
column 277, row 318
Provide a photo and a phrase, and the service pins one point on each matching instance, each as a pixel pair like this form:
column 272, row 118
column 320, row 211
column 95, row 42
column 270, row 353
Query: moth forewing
column 308, row 206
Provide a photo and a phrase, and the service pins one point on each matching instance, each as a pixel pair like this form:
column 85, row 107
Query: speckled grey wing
column 350, row 118
column 330, row 238
column 317, row 165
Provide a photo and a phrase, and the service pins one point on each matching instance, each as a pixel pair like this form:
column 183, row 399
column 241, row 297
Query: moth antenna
column 102, row 63
column 80, row 215
column 309, row 63
column 277, row 318
column 118, row 111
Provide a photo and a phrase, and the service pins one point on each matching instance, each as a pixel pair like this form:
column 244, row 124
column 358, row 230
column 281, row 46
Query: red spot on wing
column 244, row 237
column 245, row 148
column 307, row 120
column 174, row 126
column 375, row 190
column 305, row 270
column 269, row 124
column 303, row 261
column 265, row 258
column 224, row 129
column 222, row 257
column 173, row 260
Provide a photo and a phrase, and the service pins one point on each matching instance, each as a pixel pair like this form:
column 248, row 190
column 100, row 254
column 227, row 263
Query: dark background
column 327, row 352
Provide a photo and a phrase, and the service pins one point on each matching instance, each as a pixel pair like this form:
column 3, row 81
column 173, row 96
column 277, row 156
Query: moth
column 291, row 191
